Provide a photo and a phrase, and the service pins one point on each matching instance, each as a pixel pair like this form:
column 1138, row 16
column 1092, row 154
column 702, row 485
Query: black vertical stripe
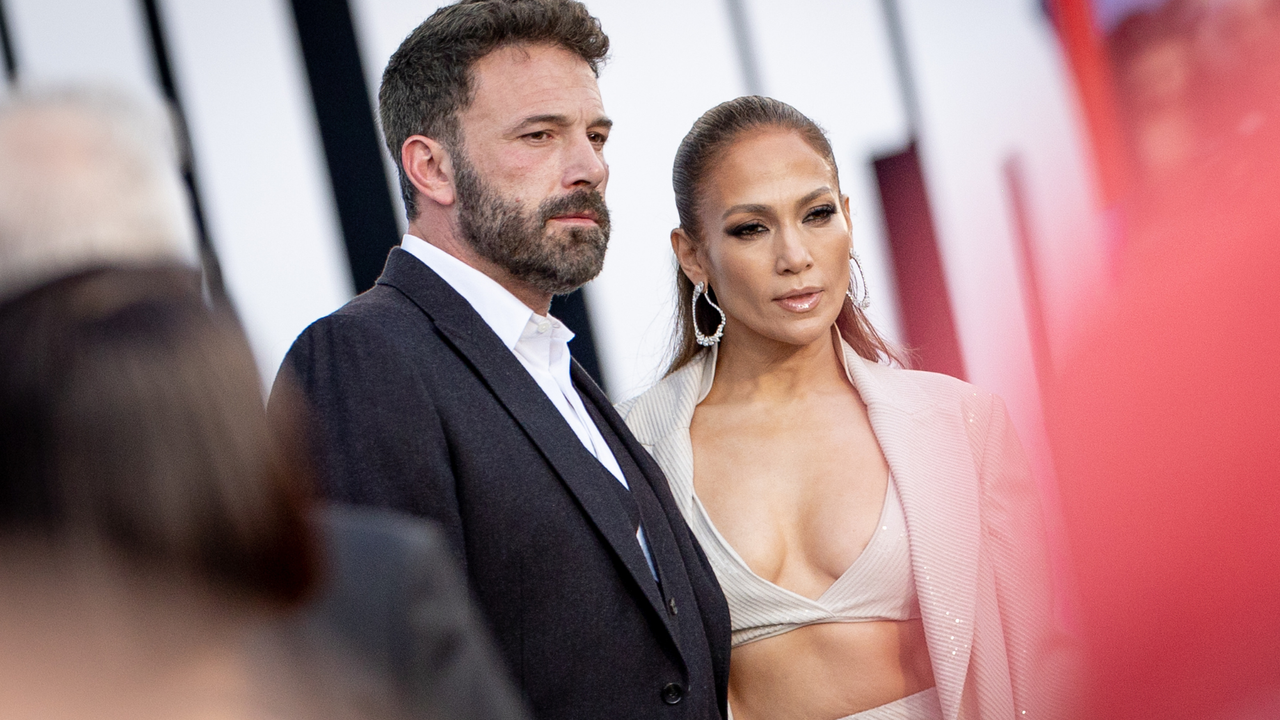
column 349, row 134
column 572, row 310
column 164, row 76
column 745, row 45
column 6, row 47
column 902, row 65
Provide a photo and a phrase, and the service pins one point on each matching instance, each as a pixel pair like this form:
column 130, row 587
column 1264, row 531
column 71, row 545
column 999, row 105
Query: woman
column 875, row 529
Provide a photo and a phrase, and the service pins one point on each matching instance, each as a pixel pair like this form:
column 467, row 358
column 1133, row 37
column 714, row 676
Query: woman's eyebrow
column 747, row 208
column 824, row 190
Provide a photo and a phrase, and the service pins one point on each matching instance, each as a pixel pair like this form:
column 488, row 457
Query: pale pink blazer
column 975, row 529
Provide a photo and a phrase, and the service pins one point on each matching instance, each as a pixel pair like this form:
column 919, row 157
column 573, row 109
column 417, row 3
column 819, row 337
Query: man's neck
column 444, row 235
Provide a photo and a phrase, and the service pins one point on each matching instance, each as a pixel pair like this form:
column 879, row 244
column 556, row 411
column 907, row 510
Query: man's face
column 530, row 172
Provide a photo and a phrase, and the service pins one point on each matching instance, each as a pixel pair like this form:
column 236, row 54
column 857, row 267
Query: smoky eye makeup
column 820, row 213
column 746, row 229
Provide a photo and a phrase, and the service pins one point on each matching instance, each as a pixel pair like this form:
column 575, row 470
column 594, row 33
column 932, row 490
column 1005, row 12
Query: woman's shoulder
column 923, row 388
column 665, row 406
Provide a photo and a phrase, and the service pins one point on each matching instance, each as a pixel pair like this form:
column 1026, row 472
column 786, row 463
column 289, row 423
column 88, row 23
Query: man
column 448, row 391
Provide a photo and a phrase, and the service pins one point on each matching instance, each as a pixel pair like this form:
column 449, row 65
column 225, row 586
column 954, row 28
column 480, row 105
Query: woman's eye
column 820, row 213
column 747, row 229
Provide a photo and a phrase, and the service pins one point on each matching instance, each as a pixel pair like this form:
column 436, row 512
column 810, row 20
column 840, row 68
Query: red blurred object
column 1087, row 55
column 1166, row 425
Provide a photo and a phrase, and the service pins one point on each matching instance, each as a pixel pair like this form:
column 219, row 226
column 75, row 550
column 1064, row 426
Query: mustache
column 576, row 202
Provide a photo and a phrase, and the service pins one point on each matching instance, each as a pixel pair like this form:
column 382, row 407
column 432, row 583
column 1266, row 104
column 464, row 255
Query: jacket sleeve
column 1043, row 659
column 376, row 436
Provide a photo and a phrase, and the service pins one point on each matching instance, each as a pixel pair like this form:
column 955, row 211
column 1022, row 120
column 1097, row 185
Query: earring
column 857, row 292
column 698, row 291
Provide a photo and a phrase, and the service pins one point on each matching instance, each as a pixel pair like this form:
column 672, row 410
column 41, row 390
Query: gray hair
column 88, row 177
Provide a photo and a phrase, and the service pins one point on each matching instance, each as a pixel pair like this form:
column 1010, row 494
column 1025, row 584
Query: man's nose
column 792, row 253
column 585, row 165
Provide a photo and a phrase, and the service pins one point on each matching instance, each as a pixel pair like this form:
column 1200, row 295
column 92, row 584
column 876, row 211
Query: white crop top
column 878, row 585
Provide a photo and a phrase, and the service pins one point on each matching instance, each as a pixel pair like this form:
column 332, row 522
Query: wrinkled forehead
column 520, row 80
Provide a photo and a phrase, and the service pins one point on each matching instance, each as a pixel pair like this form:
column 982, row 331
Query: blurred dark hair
column 428, row 80
column 707, row 142
column 132, row 422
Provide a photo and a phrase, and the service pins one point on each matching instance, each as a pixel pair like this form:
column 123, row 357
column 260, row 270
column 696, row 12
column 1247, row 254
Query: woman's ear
column 687, row 255
column 429, row 167
column 848, row 218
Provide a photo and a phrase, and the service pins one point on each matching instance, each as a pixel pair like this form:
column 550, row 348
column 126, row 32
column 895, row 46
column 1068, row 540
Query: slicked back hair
column 699, row 153
column 428, row 80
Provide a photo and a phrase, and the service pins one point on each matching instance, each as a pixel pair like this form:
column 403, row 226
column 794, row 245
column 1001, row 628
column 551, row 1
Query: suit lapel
column 929, row 454
column 511, row 384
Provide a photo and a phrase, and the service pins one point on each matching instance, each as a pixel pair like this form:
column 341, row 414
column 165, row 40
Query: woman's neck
column 762, row 371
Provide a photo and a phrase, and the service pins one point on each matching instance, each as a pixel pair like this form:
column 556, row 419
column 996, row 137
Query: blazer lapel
column 929, row 454
column 511, row 384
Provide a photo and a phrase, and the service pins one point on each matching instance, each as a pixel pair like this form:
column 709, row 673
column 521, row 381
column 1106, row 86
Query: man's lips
column 801, row 300
column 577, row 219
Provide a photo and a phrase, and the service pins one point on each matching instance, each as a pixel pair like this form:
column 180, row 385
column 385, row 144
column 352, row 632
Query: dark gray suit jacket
column 393, row 605
column 420, row 407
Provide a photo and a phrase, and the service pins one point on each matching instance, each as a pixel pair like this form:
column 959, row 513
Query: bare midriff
column 829, row 670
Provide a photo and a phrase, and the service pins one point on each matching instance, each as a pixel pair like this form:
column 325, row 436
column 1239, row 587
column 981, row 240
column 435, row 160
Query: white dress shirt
column 540, row 343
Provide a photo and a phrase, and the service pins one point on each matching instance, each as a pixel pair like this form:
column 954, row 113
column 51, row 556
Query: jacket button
column 671, row 605
column 672, row 693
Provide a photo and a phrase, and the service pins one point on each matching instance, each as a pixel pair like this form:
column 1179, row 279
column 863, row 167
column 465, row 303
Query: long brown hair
column 708, row 140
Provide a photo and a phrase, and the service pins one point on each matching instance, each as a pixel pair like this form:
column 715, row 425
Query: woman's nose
column 793, row 255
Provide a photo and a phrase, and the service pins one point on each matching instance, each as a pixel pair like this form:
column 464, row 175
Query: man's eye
column 748, row 229
column 538, row 135
column 597, row 138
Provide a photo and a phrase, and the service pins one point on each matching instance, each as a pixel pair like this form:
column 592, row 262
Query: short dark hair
column 707, row 142
column 428, row 79
column 132, row 423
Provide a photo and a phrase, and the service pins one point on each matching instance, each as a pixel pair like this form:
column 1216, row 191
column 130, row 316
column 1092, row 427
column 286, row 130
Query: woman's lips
column 800, row 301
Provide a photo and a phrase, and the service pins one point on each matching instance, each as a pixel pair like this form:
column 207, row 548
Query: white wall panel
column 104, row 41
column 832, row 60
column 672, row 60
column 261, row 168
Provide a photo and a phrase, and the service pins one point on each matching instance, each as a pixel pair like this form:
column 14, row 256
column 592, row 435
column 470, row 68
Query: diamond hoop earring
column 857, row 292
column 705, row 341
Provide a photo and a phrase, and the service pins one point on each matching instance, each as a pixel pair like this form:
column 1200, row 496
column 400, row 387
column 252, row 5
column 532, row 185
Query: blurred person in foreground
column 1165, row 419
column 158, row 536
column 876, row 530
column 447, row 390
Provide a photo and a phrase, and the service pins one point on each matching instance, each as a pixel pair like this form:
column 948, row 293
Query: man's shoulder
column 382, row 312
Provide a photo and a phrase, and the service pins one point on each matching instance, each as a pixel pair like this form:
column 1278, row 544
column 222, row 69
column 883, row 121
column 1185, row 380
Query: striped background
column 953, row 121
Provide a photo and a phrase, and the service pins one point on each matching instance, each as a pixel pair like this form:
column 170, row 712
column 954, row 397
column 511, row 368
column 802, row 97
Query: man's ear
column 687, row 254
column 429, row 167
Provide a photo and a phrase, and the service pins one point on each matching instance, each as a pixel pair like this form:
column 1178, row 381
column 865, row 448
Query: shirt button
column 671, row 605
column 544, row 326
column 672, row 693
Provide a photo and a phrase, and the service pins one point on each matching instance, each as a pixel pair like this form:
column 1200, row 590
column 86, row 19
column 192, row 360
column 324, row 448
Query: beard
column 501, row 231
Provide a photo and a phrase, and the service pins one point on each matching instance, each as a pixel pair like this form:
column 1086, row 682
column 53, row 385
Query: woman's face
column 776, row 240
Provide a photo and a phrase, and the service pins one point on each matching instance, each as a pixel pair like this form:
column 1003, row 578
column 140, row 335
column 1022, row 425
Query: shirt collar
column 503, row 312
